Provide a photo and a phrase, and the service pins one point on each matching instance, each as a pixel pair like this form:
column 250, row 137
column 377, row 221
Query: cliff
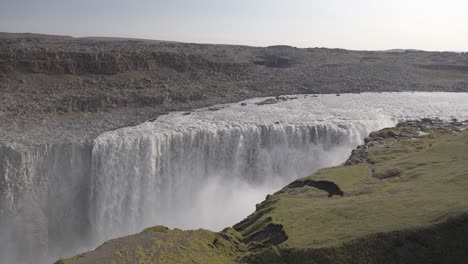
column 53, row 81
column 404, row 201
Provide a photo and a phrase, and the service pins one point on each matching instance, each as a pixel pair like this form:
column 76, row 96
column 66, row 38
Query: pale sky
column 349, row 24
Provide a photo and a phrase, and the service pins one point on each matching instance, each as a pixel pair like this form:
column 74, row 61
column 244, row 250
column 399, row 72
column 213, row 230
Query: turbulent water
column 202, row 170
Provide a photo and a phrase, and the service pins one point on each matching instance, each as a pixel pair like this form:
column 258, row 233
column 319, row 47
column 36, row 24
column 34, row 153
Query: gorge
column 201, row 169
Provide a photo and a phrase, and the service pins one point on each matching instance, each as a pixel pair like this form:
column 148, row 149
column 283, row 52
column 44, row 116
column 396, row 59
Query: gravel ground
column 56, row 88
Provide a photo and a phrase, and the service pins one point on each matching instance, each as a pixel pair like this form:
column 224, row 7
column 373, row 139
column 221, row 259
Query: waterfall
column 44, row 201
column 164, row 177
column 203, row 170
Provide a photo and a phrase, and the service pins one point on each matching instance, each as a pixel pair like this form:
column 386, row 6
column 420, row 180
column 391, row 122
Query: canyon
column 101, row 138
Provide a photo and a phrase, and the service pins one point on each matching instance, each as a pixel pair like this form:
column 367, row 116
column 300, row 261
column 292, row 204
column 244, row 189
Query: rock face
column 57, row 79
column 330, row 187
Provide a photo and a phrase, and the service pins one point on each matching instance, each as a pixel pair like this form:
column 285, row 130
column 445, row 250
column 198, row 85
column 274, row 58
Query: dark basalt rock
column 271, row 235
column 445, row 67
column 215, row 108
column 274, row 61
column 327, row 186
column 267, row 101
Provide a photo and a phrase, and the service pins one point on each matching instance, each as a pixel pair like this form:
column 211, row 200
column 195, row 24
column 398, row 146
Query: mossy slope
column 161, row 245
column 405, row 201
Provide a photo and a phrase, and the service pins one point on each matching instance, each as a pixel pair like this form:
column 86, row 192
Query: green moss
column 440, row 243
column 70, row 260
column 118, row 254
column 157, row 229
column 414, row 188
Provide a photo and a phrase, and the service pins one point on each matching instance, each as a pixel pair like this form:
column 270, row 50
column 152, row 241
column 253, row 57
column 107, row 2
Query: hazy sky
column 351, row 24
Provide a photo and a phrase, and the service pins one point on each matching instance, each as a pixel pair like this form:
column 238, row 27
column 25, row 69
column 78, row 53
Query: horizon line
column 126, row 38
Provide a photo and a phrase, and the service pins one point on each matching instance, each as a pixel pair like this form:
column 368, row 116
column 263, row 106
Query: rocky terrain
column 56, row 88
column 404, row 201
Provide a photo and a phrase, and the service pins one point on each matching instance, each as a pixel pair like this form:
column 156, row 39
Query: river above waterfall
column 201, row 169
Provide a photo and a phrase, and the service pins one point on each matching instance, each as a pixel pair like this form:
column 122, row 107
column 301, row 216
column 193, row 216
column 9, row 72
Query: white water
column 207, row 169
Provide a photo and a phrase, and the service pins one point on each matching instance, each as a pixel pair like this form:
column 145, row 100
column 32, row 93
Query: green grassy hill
column 405, row 201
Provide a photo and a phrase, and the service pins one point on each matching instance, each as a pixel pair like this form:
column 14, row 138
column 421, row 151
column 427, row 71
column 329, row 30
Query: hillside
column 404, row 201
column 85, row 86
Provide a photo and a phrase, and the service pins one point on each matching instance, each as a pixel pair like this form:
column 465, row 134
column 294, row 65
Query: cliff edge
column 57, row 88
column 404, row 201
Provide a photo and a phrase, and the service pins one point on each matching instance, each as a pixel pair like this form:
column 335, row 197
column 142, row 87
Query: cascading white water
column 43, row 201
column 176, row 178
column 206, row 169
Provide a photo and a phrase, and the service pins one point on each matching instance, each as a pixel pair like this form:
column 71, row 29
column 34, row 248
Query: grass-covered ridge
column 405, row 201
